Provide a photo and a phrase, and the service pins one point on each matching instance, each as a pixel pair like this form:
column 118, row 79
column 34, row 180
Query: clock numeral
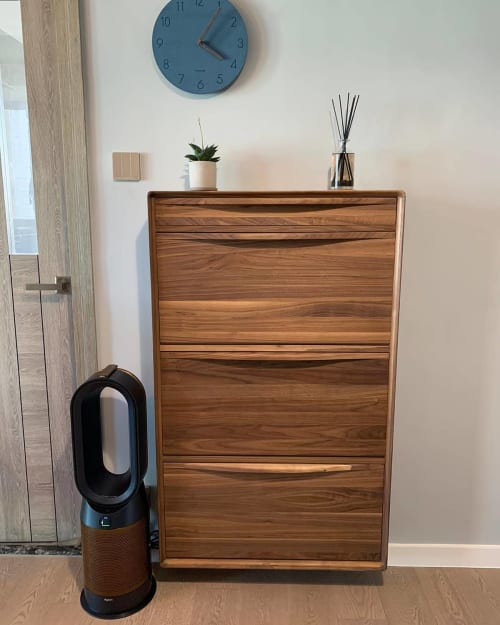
column 166, row 64
column 181, row 78
column 199, row 3
column 180, row 6
column 159, row 42
column 219, row 80
column 165, row 22
column 233, row 22
column 233, row 64
column 201, row 84
column 240, row 43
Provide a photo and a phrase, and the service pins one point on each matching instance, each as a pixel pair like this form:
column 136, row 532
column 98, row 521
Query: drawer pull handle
column 283, row 469
column 284, row 240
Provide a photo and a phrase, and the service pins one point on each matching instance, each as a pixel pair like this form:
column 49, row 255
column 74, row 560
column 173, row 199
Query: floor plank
column 43, row 590
column 447, row 606
column 403, row 600
column 476, row 595
column 356, row 599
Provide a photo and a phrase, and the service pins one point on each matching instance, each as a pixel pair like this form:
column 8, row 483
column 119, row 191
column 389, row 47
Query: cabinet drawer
column 340, row 211
column 262, row 403
column 277, row 511
column 271, row 288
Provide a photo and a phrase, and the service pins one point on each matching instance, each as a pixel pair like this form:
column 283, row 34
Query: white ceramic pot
column 203, row 175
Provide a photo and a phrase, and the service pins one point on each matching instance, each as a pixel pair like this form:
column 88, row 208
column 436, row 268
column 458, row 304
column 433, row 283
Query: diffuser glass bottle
column 342, row 166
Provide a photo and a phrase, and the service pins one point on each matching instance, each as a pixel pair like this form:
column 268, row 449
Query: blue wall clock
column 200, row 46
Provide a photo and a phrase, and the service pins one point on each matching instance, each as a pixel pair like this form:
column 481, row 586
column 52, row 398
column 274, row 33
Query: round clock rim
column 190, row 90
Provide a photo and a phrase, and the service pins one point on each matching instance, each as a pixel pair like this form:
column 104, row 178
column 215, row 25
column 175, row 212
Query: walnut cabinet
column 275, row 331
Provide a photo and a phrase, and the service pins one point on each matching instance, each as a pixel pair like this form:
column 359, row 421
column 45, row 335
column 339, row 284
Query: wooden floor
column 44, row 590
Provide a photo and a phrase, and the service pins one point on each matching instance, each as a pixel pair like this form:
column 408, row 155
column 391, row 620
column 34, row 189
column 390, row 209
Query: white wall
column 428, row 122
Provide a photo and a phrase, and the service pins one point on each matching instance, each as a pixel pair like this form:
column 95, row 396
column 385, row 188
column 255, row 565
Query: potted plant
column 203, row 166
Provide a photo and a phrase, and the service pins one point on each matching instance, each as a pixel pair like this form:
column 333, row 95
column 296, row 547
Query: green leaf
column 203, row 154
column 210, row 151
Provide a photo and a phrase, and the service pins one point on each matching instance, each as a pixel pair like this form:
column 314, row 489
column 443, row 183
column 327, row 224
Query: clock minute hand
column 213, row 52
column 209, row 25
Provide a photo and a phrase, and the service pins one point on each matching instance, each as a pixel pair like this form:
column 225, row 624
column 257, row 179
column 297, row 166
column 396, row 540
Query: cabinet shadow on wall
column 146, row 374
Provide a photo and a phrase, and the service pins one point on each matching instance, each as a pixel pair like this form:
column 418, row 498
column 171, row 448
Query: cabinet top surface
column 277, row 194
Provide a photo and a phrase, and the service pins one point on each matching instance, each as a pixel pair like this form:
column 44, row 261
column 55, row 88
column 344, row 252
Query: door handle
column 61, row 285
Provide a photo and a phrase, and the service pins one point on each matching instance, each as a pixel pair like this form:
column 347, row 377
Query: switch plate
column 126, row 166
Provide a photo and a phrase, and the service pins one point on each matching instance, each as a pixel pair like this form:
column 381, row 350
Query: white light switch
column 126, row 166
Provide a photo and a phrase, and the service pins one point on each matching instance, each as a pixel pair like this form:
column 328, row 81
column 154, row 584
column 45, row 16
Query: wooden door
column 47, row 338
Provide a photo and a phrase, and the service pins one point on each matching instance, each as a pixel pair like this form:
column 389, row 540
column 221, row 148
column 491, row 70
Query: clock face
column 200, row 46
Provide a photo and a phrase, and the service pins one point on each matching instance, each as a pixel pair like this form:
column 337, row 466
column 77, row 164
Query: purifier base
column 92, row 606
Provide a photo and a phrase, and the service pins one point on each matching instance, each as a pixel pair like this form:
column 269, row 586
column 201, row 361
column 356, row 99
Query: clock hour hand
column 209, row 49
column 208, row 26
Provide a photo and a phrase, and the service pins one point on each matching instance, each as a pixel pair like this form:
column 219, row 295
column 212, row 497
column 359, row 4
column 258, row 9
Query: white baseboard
column 470, row 556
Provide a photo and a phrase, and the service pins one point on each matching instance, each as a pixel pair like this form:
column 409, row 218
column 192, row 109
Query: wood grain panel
column 275, row 548
column 272, row 564
column 14, row 511
column 332, row 516
column 76, row 186
column 243, row 459
column 398, row 259
column 258, row 351
column 33, row 385
column 221, row 268
column 274, row 404
column 270, row 211
column 265, row 290
column 47, row 33
column 324, row 320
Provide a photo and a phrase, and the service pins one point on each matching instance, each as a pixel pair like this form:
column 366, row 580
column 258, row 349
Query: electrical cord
column 154, row 539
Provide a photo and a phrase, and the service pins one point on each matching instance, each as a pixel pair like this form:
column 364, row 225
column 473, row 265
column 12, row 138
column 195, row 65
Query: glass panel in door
column 15, row 151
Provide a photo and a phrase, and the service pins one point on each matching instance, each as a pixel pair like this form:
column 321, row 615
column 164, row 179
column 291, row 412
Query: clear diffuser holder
column 342, row 168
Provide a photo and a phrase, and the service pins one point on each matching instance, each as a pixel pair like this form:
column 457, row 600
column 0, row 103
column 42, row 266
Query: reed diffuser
column 342, row 171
